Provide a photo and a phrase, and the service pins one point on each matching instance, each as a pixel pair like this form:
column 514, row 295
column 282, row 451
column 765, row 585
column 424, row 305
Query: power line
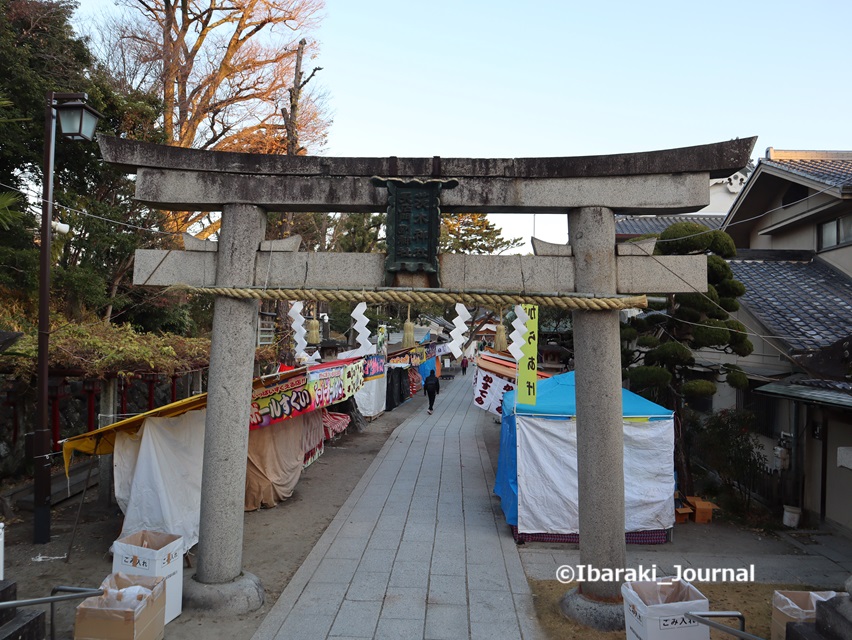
column 86, row 213
column 783, row 353
column 757, row 217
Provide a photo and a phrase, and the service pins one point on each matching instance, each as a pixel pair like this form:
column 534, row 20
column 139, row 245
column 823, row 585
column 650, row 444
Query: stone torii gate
column 590, row 190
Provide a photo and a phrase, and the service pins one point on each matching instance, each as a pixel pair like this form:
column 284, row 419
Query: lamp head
column 77, row 120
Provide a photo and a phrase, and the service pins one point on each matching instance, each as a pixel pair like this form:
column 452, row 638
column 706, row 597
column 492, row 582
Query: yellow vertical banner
column 528, row 365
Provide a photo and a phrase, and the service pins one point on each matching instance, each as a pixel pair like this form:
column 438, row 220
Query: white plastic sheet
column 548, row 484
column 158, row 476
column 371, row 397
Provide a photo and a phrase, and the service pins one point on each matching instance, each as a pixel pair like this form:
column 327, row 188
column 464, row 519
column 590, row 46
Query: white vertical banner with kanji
column 488, row 390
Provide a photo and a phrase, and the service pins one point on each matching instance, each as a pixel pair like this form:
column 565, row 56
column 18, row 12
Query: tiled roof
column 442, row 322
column 640, row 225
column 807, row 305
column 830, row 172
column 819, row 383
column 832, row 397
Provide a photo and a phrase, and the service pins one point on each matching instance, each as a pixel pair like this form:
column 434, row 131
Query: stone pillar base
column 241, row 595
column 604, row 616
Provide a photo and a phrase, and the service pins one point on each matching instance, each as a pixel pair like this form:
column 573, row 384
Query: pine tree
column 473, row 233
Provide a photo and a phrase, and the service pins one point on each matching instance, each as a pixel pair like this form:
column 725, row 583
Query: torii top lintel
column 666, row 181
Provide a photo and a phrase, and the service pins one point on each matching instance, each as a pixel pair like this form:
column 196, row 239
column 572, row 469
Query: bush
column 737, row 379
column 718, row 270
column 701, row 301
column 729, row 304
column 727, row 445
column 647, row 342
column 722, row 244
column 712, row 333
column 670, row 354
column 649, row 377
column 683, row 238
column 730, row 288
column 695, row 389
column 738, row 331
column 628, row 333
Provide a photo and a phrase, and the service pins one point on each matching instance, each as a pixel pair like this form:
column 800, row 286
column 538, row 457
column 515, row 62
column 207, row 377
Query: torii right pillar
column 600, row 434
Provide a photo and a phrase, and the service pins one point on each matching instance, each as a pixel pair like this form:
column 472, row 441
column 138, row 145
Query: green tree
column 473, row 233
column 9, row 201
column 39, row 52
column 360, row 233
column 658, row 348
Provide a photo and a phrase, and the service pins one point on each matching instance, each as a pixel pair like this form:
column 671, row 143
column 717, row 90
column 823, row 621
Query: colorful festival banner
column 528, row 364
column 431, row 350
column 400, row 357
column 303, row 393
column 374, row 367
column 417, row 356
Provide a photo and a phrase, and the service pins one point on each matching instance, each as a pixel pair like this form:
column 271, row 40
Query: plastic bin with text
column 151, row 553
column 657, row 611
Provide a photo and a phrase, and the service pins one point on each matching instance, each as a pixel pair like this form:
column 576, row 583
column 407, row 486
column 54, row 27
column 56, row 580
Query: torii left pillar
column 220, row 584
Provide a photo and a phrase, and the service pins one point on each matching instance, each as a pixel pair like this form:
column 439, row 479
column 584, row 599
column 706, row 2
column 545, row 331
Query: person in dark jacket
column 431, row 387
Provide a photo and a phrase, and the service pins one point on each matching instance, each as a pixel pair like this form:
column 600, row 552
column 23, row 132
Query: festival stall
column 372, row 396
column 402, row 375
column 162, row 449
column 495, row 375
column 537, row 466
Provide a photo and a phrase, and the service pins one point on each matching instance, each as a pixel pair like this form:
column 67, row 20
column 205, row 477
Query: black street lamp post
column 78, row 122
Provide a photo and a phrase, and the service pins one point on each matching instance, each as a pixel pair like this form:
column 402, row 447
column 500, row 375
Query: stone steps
column 26, row 624
column 61, row 488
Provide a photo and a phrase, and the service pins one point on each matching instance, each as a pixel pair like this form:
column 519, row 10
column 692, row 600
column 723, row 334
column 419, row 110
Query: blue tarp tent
column 537, row 466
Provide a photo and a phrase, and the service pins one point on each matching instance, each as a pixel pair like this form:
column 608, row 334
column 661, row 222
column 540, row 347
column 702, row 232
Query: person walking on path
column 464, row 364
column 431, row 387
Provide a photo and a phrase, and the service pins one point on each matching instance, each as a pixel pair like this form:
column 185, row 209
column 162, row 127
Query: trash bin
column 794, row 606
column 791, row 516
column 131, row 608
column 657, row 611
column 152, row 553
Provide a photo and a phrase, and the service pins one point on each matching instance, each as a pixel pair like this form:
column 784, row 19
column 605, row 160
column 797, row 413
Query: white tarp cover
column 371, row 397
column 547, row 475
column 158, row 476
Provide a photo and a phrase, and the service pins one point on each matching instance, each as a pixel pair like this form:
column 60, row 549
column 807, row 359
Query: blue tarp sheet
column 425, row 368
column 556, row 397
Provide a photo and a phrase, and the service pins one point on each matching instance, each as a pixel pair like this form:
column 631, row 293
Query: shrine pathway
column 420, row 549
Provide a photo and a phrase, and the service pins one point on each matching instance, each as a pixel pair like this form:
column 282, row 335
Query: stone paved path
column 420, row 548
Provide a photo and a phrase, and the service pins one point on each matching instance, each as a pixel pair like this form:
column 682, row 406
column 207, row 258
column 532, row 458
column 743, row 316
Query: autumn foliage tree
column 223, row 70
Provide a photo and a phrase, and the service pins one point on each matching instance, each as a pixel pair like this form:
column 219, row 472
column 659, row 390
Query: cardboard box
column 682, row 514
column 703, row 509
column 151, row 553
column 655, row 611
column 121, row 614
column 794, row 606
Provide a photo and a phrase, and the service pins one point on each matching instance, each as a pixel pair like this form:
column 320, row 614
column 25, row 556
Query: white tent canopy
column 537, row 478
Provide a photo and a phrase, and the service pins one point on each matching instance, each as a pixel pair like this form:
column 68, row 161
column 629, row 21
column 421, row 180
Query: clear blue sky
column 489, row 78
